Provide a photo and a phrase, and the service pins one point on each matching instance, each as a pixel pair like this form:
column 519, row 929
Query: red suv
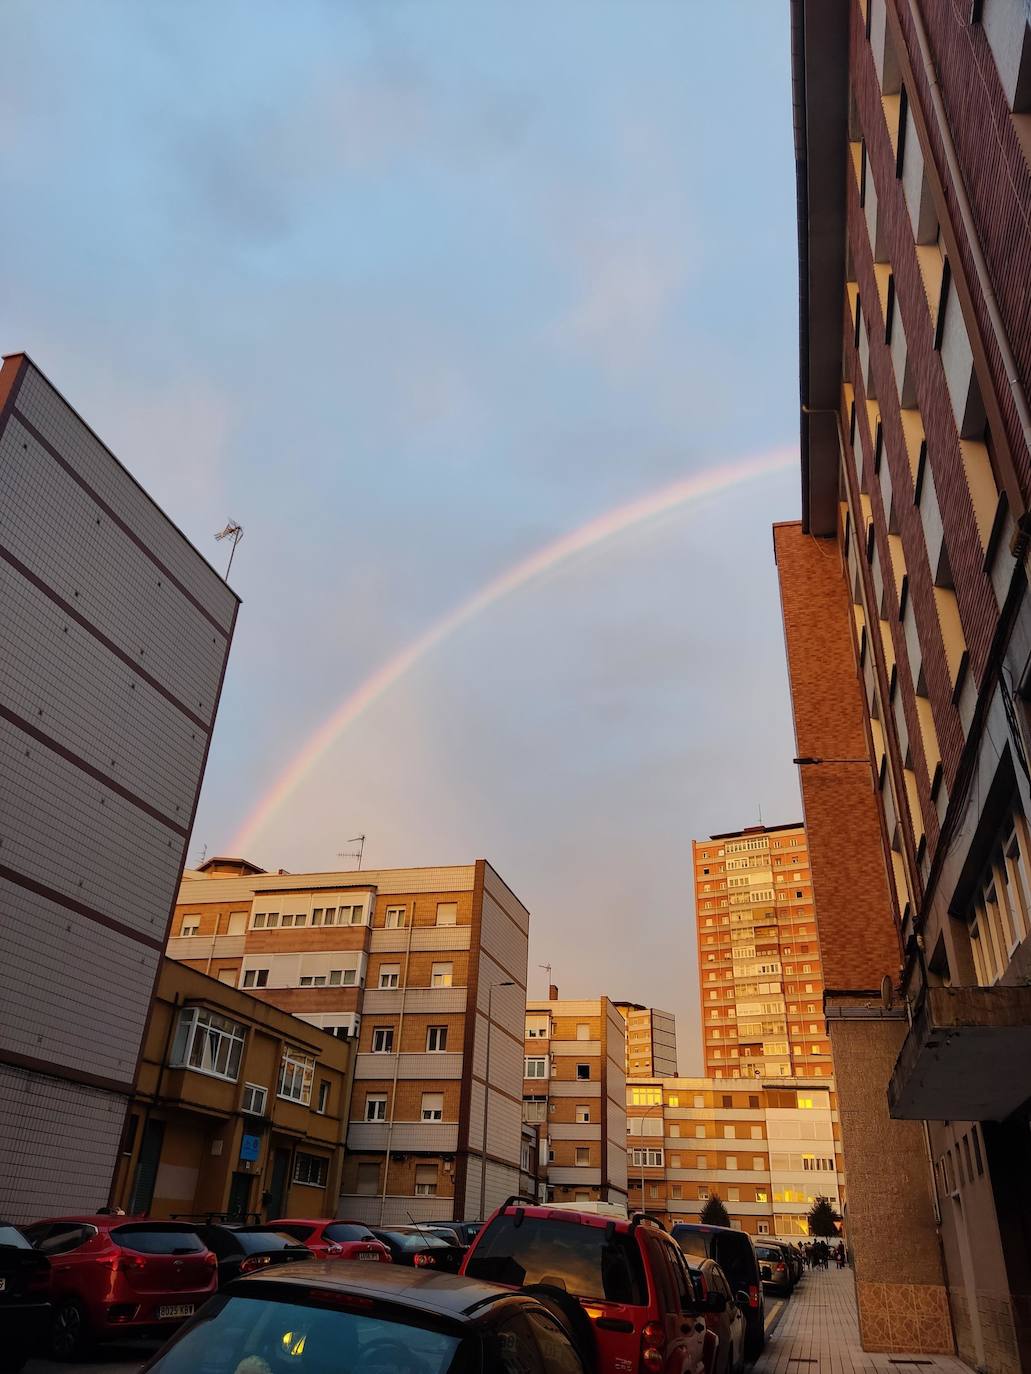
column 114, row 1275
column 623, row 1287
column 335, row 1239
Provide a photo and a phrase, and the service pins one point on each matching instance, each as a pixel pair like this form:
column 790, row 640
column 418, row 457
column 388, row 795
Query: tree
column 714, row 1213
column 823, row 1218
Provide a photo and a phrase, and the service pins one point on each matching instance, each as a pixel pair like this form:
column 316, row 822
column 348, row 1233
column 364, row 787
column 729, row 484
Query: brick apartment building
column 760, row 970
column 768, row 1150
column 115, row 633
column 407, row 963
column 908, row 633
column 574, row 1090
column 651, row 1041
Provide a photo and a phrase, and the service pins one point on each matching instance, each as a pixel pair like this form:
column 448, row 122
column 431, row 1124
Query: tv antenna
column 547, row 970
column 359, row 840
column 233, row 531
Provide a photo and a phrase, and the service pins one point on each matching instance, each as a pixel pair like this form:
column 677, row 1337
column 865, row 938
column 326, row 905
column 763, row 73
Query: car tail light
column 753, row 1295
column 253, row 1262
column 130, row 1264
column 424, row 1261
column 653, row 1341
column 211, row 1260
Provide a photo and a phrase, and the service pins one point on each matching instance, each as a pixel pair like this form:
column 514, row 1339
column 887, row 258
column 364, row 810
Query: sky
column 411, row 291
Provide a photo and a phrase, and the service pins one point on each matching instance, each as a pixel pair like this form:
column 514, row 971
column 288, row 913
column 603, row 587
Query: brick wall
column 857, row 935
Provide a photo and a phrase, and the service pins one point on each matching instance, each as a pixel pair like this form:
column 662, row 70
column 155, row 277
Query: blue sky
column 410, row 289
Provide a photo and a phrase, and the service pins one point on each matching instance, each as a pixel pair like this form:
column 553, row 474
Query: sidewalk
column 818, row 1334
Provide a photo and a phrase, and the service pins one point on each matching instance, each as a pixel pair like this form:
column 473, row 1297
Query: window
column 254, row 1099
column 189, row 928
column 761, row 1195
column 582, row 1113
column 731, row 1161
column 678, row 1191
column 583, row 1156
column 673, row 1128
column 440, row 975
column 673, row 1100
column 255, row 978
column 316, row 916
column 647, row 1159
column 425, row 1180
column 367, row 1183
column 727, row 1100
column 433, row 1106
column 538, row 1027
column 763, row 1228
column 395, row 918
column 733, row 1194
column 383, row 1040
column 389, row 975
column 535, row 1066
column 447, row 913
column 353, row 916
column 376, row 1107
column 436, row 1039
column 312, row 1170
column 699, row 1100
column 583, row 1072
column 295, row 1076
column 208, row 1043
column 703, row 1193
column 728, row 1133
column 701, row 1161
column 583, row 1031
column 699, row 1131
column 645, row 1097
column 758, row 1163
column 323, row 1106
column 535, row 1108
column 756, row 1132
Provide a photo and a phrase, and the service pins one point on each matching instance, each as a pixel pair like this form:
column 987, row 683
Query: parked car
column 327, row 1318
column 24, row 1298
column 117, row 1276
column 248, row 1249
column 465, row 1230
column 727, row 1325
column 734, row 1253
column 795, row 1261
column 335, row 1239
column 774, row 1267
column 416, row 1246
column 622, row 1286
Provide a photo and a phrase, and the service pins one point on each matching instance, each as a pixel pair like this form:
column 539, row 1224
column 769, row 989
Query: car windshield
column 584, row 1260
column 13, row 1238
column 157, row 1240
column 417, row 1240
column 768, row 1252
column 691, row 1242
column 251, row 1335
column 342, row 1231
column 257, row 1242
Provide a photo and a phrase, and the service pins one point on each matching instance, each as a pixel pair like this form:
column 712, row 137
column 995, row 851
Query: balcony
column 965, row 1056
column 435, row 1137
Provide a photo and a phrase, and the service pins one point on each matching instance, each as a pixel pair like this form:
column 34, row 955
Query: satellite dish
column 887, row 992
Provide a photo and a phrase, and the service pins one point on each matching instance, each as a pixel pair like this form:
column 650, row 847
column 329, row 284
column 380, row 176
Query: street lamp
column 806, row 761
column 508, row 983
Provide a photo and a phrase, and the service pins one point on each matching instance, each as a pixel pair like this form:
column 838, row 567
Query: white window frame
column 310, row 1171
column 395, row 918
column 208, row 1043
column 436, row 1039
column 431, row 1113
column 389, row 976
column 253, row 978
column 296, row 1076
column 384, row 1035
column 582, row 1157
column 449, row 912
column 187, row 930
column 537, row 1061
column 442, row 974
column 423, row 1187
column 647, row 1158
column 254, row 1099
column 374, row 1102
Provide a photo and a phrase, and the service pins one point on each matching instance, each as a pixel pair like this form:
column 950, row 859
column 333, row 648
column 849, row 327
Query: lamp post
column 808, row 761
column 508, row 983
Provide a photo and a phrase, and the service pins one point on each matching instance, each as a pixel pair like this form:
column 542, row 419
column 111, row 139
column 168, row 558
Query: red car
column 113, row 1276
column 351, row 1240
column 623, row 1287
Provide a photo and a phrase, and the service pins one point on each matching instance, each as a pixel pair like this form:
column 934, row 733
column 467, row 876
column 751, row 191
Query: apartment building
column 238, row 1108
column 908, row 632
column 574, row 1090
column 425, row 970
column 651, row 1041
column 760, row 970
column 767, row 1150
column 115, row 635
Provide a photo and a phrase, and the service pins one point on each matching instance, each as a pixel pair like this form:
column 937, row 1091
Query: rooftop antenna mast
column 233, row 531
column 359, row 840
column 547, row 970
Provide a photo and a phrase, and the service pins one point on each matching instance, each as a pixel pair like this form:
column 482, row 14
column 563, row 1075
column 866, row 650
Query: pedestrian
column 841, row 1255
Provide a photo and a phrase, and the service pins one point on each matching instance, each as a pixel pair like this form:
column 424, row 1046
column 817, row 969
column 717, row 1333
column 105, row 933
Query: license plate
column 365, row 1255
column 183, row 1309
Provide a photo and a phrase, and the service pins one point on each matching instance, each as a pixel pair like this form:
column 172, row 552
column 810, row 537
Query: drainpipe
column 397, row 1063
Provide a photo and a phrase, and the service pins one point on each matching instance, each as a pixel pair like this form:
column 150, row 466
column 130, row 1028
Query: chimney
column 552, row 992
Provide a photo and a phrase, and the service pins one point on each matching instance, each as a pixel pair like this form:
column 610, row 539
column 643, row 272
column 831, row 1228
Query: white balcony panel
column 415, row 1000
column 575, row 1130
column 719, row 1177
column 417, row 1066
column 423, row 939
column 395, row 1210
column 561, row 1088
column 436, row 1136
column 574, row 1177
column 206, row 946
column 577, row 1049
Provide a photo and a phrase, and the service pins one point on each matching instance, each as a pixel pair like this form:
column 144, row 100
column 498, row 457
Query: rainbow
column 603, row 527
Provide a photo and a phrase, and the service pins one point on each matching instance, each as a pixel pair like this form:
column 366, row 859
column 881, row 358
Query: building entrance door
column 276, row 1194
column 240, row 1196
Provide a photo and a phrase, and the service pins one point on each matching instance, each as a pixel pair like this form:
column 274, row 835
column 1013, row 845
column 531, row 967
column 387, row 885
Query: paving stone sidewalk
column 818, row 1333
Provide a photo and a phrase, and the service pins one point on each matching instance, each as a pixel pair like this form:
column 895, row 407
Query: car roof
column 432, row 1292
column 560, row 1214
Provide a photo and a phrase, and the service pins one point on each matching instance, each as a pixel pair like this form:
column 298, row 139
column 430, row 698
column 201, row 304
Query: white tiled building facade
column 115, row 638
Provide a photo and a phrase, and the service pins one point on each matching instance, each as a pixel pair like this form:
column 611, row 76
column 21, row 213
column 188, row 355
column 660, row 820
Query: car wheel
column 571, row 1317
column 755, row 1343
column 70, row 1336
